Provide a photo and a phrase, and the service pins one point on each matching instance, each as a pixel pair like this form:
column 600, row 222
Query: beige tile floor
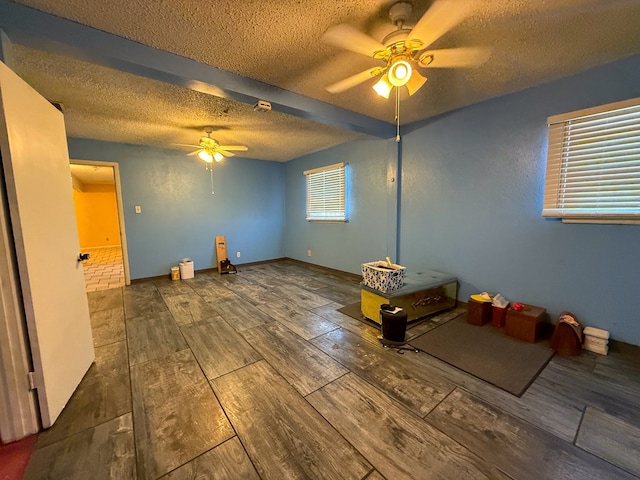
column 104, row 268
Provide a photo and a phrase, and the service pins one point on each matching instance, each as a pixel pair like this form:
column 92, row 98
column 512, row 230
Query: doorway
column 99, row 215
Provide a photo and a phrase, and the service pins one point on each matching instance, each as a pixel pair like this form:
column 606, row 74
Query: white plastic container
column 186, row 269
column 596, row 340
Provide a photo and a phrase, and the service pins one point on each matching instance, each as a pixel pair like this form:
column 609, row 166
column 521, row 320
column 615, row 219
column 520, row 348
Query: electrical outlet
column 308, row 253
column 237, row 254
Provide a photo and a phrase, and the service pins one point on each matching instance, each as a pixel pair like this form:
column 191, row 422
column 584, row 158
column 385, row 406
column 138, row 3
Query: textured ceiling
column 91, row 174
column 276, row 42
column 106, row 104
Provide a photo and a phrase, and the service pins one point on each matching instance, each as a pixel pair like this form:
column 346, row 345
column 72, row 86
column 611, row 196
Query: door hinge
column 31, row 378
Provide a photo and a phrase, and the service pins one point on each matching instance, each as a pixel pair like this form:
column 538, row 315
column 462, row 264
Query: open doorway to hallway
column 100, row 226
column 103, row 269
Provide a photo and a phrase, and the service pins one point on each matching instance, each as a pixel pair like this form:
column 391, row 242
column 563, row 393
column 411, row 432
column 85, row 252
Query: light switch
column 138, row 209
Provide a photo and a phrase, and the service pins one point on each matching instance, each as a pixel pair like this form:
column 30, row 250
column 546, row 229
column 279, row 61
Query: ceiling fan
column 209, row 149
column 404, row 49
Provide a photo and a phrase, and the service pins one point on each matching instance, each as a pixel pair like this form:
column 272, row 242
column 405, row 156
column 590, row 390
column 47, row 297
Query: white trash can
column 186, row 269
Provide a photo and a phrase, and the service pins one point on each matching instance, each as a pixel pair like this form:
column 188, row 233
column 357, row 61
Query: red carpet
column 14, row 458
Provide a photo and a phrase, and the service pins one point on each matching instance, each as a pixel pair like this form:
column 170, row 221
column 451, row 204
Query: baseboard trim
column 261, row 262
column 324, row 269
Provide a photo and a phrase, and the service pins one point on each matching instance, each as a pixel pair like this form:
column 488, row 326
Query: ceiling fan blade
column 240, row 148
column 347, row 37
column 195, row 152
column 226, row 154
column 185, row 145
column 354, row 80
column 456, row 57
column 441, row 17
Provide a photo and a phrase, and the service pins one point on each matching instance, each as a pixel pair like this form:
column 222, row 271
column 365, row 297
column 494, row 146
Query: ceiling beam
column 6, row 53
column 42, row 31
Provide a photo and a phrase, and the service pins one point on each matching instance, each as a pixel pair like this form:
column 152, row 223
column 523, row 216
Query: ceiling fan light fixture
column 218, row 156
column 399, row 73
column 205, row 155
column 383, row 86
column 415, row 82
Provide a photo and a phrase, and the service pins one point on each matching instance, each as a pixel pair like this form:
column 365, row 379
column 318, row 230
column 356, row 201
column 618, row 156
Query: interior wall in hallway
column 97, row 216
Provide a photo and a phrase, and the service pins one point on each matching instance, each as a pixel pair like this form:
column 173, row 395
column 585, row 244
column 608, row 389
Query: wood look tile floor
column 258, row 376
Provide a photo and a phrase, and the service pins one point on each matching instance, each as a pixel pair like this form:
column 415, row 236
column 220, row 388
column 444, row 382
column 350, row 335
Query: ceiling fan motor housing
column 399, row 13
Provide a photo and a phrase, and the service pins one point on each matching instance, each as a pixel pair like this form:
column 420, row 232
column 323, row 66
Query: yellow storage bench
column 423, row 293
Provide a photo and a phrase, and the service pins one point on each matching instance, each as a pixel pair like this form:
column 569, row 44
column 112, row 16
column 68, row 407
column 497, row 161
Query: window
column 326, row 194
column 593, row 165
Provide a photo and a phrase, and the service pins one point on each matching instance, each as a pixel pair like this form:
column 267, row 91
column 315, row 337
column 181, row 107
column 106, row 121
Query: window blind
column 593, row 165
column 326, row 193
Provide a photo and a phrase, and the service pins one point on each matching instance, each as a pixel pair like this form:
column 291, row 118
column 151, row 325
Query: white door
column 38, row 179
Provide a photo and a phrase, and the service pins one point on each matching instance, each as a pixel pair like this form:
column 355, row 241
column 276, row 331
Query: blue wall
column 470, row 204
column 180, row 217
column 473, row 184
column 370, row 233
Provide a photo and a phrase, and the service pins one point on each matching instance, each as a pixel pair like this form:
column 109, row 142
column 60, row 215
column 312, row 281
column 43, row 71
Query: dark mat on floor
column 353, row 310
column 487, row 353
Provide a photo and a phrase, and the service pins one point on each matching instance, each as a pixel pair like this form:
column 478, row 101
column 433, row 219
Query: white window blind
column 593, row 165
column 326, row 193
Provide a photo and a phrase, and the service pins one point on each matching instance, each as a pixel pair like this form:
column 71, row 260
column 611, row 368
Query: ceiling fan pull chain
column 397, row 114
column 211, row 171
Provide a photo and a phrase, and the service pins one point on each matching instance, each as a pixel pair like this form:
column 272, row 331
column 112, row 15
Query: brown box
column 525, row 325
column 478, row 313
column 498, row 316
